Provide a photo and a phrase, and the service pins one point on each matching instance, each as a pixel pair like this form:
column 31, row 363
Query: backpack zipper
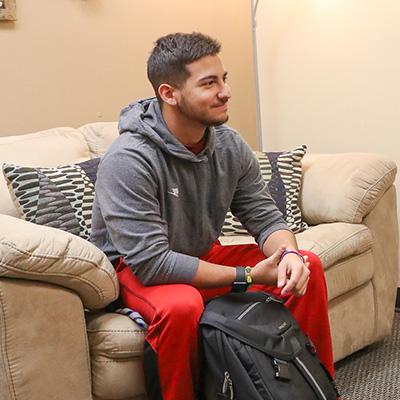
column 309, row 374
column 251, row 306
column 227, row 386
column 247, row 310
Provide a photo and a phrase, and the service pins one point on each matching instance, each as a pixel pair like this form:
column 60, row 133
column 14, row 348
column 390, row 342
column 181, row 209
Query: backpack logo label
column 282, row 326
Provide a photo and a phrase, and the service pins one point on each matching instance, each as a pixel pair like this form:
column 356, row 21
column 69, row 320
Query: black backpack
column 255, row 350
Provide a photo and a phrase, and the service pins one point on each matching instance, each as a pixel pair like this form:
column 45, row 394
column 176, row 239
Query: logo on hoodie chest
column 174, row 191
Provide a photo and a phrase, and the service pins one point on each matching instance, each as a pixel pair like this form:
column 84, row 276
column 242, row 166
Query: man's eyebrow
column 212, row 77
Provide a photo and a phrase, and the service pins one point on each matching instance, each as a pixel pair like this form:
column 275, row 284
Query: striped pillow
column 282, row 172
column 60, row 197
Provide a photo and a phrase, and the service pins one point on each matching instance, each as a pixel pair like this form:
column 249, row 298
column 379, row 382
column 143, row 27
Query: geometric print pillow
column 282, row 173
column 59, row 197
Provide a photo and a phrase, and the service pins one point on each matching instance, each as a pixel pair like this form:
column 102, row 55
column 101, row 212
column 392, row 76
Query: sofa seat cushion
column 116, row 346
column 349, row 274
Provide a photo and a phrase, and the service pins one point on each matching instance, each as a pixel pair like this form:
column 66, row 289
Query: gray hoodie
column 160, row 206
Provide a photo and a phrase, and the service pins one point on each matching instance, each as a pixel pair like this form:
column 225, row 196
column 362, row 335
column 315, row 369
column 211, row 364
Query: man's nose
column 225, row 92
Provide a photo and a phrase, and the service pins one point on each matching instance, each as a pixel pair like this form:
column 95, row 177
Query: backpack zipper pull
column 227, row 386
column 272, row 298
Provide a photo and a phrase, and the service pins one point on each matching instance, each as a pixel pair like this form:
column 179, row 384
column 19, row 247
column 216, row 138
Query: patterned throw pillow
column 60, row 197
column 282, row 172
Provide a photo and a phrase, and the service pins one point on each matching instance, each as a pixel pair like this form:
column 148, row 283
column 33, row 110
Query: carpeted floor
column 372, row 373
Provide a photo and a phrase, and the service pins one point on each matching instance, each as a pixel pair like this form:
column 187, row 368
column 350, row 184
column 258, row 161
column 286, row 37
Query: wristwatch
column 243, row 279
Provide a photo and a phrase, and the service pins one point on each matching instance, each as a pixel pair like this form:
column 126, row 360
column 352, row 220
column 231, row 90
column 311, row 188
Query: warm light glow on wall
column 329, row 75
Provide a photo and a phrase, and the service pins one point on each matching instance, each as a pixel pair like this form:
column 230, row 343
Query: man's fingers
column 304, row 277
column 293, row 280
column 282, row 276
column 303, row 289
column 298, row 278
column 301, row 286
column 298, row 275
column 290, row 284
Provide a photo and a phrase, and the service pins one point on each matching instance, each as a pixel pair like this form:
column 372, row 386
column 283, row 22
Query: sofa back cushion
column 66, row 146
column 54, row 182
column 99, row 136
column 282, row 172
column 41, row 149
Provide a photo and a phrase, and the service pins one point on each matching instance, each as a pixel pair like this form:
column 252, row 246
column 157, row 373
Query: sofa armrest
column 44, row 349
column 343, row 187
column 35, row 252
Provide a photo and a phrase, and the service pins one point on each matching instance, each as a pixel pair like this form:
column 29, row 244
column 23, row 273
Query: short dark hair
column 171, row 53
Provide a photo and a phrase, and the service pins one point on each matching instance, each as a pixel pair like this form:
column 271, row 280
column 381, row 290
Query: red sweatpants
column 173, row 313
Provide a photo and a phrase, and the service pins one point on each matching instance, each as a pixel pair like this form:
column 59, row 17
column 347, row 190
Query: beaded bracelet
column 286, row 252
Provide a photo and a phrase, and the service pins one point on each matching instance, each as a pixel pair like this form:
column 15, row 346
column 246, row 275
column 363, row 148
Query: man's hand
column 266, row 271
column 293, row 274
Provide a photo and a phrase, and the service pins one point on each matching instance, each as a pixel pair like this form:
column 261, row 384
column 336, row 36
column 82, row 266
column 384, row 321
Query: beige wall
column 70, row 62
column 330, row 75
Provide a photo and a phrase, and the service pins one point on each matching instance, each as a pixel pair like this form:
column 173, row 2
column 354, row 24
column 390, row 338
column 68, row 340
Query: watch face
column 239, row 287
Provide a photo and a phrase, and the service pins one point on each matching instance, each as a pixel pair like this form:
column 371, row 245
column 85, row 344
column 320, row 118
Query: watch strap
column 240, row 274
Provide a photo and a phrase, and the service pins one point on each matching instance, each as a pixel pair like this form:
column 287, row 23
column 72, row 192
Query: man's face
column 205, row 94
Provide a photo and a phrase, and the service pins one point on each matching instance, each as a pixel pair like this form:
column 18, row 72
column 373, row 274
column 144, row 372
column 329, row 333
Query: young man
column 162, row 193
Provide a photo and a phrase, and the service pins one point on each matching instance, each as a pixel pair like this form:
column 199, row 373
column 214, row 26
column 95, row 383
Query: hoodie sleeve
column 252, row 203
column 126, row 194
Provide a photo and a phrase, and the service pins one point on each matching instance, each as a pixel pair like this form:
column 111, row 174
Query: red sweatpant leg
column 309, row 310
column 173, row 313
column 171, row 356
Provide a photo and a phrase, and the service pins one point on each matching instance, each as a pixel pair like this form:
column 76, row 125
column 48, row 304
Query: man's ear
column 167, row 94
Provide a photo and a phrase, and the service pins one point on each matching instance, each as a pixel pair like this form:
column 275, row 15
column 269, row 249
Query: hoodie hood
column 145, row 118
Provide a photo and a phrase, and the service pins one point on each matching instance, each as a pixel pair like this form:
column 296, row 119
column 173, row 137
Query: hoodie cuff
column 184, row 269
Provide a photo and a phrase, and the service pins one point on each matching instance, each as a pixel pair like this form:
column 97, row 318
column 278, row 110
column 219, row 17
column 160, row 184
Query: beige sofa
column 52, row 348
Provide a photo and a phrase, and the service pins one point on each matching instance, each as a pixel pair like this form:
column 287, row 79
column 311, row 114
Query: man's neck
column 188, row 132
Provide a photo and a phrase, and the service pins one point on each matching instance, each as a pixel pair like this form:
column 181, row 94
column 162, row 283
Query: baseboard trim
column 398, row 300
